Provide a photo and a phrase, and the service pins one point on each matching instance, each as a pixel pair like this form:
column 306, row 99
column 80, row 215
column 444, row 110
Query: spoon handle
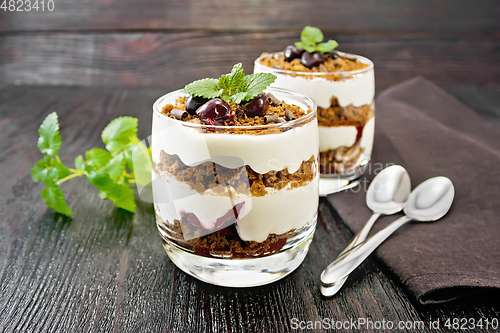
column 330, row 290
column 349, row 260
column 362, row 234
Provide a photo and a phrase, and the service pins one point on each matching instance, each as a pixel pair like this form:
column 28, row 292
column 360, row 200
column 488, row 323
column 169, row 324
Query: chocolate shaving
column 179, row 114
column 240, row 112
column 167, row 108
column 273, row 100
column 289, row 115
column 270, row 118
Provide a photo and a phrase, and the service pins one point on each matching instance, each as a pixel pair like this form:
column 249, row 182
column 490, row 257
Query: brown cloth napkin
column 430, row 133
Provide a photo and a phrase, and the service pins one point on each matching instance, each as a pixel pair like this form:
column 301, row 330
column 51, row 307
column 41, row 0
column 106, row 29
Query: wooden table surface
column 105, row 269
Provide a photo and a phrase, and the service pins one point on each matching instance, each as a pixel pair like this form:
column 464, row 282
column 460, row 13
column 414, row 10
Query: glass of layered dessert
column 343, row 87
column 235, row 178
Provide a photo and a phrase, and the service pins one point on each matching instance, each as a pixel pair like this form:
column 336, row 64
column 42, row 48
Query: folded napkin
column 430, row 133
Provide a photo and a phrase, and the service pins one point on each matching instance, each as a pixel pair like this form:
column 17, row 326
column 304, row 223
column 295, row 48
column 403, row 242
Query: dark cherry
column 333, row 54
column 193, row 103
column 231, row 217
column 292, row 52
column 257, row 106
column 216, row 112
column 312, row 59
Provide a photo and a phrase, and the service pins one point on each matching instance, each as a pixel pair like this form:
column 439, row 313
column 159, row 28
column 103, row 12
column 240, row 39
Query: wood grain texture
column 104, row 270
column 158, row 59
column 262, row 15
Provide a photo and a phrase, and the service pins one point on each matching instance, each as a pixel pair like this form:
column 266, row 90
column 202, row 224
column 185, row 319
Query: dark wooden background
column 104, row 269
column 152, row 43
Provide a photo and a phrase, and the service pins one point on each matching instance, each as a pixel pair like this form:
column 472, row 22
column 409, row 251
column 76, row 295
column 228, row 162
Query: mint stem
column 73, row 175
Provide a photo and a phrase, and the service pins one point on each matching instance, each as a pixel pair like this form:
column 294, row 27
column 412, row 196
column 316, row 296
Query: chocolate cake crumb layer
column 224, row 243
column 340, row 160
column 350, row 115
column 278, row 113
column 208, row 175
column 277, row 61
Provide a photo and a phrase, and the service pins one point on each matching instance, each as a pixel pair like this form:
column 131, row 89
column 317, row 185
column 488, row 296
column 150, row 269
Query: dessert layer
column 209, row 175
column 333, row 137
column 279, row 211
column 227, row 243
column 342, row 160
column 241, row 119
column 336, row 115
column 263, row 153
column 173, row 199
column 357, row 89
column 331, row 65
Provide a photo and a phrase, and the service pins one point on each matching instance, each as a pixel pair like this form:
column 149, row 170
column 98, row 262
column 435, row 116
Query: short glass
column 346, row 112
column 236, row 206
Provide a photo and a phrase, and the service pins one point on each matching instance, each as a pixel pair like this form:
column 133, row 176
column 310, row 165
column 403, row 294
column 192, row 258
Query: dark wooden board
column 158, row 59
column 105, row 270
column 240, row 15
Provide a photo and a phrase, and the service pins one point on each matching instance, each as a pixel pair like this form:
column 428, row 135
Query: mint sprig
column 311, row 40
column 110, row 170
column 235, row 87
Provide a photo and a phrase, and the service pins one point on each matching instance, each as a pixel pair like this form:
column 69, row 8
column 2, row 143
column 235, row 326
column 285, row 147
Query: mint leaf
column 327, row 46
column 142, row 164
column 236, row 77
column 238, row 97
column 115, row 167
column 119, row 132
column 232, row 83
column 39, row 171
column 127, row 154
column 255, row 84
column 121, row 195
column 308, row 47
column 49, row 141
column 97, row 158
column 309, row 39
column 54, row 198
column 233, row 87
column 206, row 88
column 79, row 163
column 311, row 34
column 48, row 170
column 225, row 83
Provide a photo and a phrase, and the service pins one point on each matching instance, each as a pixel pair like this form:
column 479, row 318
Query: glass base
column 248, row 272
column 333, row 185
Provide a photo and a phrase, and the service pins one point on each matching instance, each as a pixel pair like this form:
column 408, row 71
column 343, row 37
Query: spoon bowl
column 430, row 200
column 389, row 190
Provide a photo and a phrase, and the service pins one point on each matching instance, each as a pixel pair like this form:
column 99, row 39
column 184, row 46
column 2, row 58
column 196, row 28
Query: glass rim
column 319, row 74
column 291, row 123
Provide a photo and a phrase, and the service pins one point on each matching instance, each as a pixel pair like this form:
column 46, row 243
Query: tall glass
column 346, row 112
column 236, row 206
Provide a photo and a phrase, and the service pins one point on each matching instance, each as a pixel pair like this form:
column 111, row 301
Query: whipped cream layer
column 357, row 90
column 172, row 197
column 333, row 137
column 263, row 153
column 277, row 212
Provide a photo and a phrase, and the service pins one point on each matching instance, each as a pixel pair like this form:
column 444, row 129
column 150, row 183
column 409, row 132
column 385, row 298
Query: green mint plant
column 111, row 170
column 235, row 87
column 311, row 40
